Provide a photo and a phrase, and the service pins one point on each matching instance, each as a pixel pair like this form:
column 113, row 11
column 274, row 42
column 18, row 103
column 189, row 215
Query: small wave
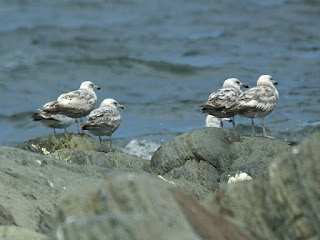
column 142, row 148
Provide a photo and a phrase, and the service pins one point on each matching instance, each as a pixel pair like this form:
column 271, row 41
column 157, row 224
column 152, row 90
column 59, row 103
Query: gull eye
column 237, row 82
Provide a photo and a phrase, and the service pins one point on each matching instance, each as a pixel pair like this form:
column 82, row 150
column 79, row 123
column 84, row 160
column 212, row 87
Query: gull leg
column 252, row 126
column 77, row 125
column 100, row 144
column 101, row 148
column 234, row 125
column 221, row 123
column 54, row 130
column 81, row 121
column 264, row 130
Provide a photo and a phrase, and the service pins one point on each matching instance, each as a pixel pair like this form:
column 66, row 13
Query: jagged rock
column 6, row 217
column 18, row 233
column 137, row 206
column 285, row 204
column 114, row 159
column 54, row 142
column 208, row 156
column 31, row 183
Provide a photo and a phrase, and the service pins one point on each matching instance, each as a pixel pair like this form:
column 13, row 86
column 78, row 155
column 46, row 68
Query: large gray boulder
column 18, row 233
column 285, row 204
column 209, row 156
column 31, row 183
column 138, row 206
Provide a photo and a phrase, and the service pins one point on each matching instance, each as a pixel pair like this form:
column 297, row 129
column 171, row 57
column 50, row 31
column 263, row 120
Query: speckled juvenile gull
column 212, row 121
column 52, row 120
column 224, row 98
column 257, row 102
column 104, row 120
column 75, row 104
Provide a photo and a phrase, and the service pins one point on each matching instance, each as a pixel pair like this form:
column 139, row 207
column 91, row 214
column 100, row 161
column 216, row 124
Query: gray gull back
column 104, row 121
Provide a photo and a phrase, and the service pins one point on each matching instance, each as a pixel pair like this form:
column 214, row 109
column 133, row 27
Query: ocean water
column 159, row 58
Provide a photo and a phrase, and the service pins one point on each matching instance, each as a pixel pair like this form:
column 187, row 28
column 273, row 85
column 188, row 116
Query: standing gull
column 257, row 102
column 104, row 120
column 223, row 99
column 75, row 104
column 52, row 120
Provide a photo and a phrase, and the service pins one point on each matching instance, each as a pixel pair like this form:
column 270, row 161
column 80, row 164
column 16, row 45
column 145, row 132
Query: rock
column 54, row 142
column 137, row 206
column 209, row 156
column 18, row 233
column 285, row 204
column 83, row 150
column 31, row 183
column 6, row 217
column 115, row 159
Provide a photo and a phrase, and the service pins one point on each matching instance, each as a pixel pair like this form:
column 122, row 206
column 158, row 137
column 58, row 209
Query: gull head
column 233, row 83
column 88, row 85
column 111, row 102
column 266, row 80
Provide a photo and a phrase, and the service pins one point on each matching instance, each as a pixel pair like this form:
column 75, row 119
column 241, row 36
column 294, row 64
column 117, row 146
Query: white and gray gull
column 75, row 104
column 212, row 121
column 52, row 120
column 222, row 99
column 257, row 102
column 104, row 120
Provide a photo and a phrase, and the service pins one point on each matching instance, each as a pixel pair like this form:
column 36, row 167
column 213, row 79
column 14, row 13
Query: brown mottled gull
column 224, row 98
column 257, row 102
column 52, row 120
column 104, row 120
column 75, row 104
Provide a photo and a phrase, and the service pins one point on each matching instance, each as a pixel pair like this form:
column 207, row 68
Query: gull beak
column 96, row 87
column 121, row 106
column 244, row 85
column 275, row 83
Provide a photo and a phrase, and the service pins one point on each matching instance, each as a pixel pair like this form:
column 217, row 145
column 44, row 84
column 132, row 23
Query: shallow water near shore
column 161, row 59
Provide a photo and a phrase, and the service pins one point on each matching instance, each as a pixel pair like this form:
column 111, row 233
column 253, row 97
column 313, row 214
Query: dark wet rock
column 6, row 217
column 137, row 206
column 285, row 204
column 209, row 156
column 18, row 233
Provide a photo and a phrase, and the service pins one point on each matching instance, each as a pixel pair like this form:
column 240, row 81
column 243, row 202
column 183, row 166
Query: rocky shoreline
column 61, row 187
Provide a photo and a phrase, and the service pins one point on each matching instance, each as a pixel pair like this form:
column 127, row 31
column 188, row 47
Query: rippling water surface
column 160, row 59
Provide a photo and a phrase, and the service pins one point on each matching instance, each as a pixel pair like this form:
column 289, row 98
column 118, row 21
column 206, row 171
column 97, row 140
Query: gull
column 257, row 102
column 104, row 120
column 75, row 104
column 223, row 99
column 52, row 120
column 212, row 121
